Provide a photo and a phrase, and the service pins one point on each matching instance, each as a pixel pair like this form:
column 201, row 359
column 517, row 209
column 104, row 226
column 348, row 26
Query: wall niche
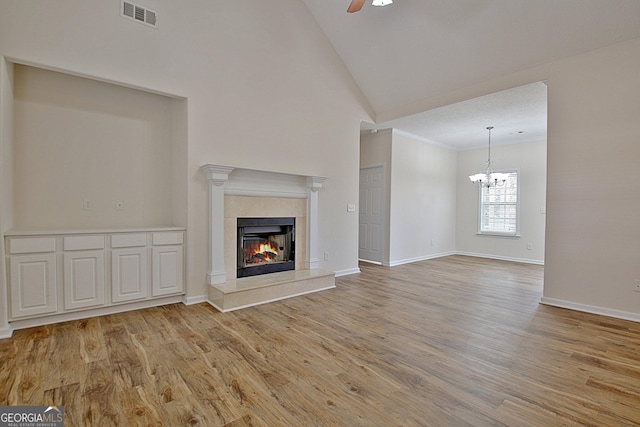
column 89, row 154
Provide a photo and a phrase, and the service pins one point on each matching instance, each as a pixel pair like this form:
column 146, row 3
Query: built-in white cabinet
column 83, row 271
column 167, row 270
column 33, row 285
column 129, row 267
column 61, row 273
column 128, row 274
column 83, row 279
column 32, row 277
column 167, row 263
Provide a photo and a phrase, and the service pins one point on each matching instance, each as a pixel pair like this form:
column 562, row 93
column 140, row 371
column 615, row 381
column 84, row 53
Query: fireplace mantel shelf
column 260, row 183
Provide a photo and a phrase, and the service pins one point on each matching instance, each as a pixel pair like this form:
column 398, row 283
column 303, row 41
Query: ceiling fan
column 356, row 5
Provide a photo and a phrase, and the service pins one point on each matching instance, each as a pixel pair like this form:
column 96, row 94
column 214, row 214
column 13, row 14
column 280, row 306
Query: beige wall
column 593, row 236
column 264, row 90
column 77, row 139
column 530, row 159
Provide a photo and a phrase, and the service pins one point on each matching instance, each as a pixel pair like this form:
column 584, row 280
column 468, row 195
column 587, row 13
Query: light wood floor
column 456, row 341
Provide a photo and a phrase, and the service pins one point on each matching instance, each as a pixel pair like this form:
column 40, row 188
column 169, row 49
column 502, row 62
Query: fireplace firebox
column 265, row 245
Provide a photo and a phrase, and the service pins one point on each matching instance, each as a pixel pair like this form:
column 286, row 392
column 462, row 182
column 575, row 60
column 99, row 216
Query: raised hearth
column 255, row 290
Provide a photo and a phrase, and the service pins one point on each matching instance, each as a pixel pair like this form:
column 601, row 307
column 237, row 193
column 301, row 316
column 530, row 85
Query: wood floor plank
column 453, row 341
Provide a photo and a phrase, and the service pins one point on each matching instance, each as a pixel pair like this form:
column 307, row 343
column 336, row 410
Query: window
column 499, row 207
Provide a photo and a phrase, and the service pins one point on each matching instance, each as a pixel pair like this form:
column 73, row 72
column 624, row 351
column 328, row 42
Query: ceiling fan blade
column 355, row 5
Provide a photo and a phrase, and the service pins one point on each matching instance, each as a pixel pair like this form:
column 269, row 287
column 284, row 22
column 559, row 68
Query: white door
column 371, row 214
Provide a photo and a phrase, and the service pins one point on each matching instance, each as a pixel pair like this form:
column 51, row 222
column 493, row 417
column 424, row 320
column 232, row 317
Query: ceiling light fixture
column 489, row 178
column 381, row 2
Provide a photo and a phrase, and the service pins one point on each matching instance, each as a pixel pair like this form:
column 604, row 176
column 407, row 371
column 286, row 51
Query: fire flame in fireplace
column 260, row 252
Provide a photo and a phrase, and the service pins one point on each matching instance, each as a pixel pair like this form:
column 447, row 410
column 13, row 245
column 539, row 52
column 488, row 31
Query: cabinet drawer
column 128, row 240
column 83, row 243
column 32, row 245
column 167, row 239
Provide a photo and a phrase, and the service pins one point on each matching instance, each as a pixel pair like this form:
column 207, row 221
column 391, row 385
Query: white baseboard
column 347, row 272
column 194, row 300
column 6, row 332
column 101, row 311
column 368, row 261
column 502, row 258
column 416, row 259
column 602, row 311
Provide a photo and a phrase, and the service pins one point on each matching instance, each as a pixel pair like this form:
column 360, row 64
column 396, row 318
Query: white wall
column 431, row 197
column 423, row 200
column 265, row 90
column 420, row 193
column 530, row 159
column 6, row 178
column 592, row 257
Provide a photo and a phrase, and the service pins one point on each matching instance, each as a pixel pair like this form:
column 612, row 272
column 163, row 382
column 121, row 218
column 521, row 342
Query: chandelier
column 489, row 178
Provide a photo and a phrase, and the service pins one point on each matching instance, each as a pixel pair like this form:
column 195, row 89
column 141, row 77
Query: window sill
column 503, row 235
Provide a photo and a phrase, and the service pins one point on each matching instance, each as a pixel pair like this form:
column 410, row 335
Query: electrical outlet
column 529, row 246
column 326, row 256
column 87, row 204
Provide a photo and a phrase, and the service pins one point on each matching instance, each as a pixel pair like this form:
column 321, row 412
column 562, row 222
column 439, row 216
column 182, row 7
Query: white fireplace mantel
column 227, row 180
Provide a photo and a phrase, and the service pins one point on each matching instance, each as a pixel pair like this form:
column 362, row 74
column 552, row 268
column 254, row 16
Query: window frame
column 481, row 189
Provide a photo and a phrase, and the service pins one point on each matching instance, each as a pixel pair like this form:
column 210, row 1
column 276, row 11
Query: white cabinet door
column 33, row 285
column 128, row 274
column 167, row 270
column 83, row 279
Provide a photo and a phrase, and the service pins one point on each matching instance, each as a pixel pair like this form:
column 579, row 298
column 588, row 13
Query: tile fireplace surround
column 249, row 192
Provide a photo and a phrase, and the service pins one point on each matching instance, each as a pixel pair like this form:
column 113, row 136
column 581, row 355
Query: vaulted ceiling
column 413, row 50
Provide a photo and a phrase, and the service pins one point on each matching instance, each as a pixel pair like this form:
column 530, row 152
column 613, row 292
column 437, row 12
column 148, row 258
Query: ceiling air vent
column 139, row 13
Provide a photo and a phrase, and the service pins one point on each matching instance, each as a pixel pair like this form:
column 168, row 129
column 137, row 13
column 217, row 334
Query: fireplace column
column 217, row 176
column 314, row 183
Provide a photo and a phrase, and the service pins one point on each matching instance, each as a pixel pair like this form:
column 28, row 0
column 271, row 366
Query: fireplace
column 265, row 245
